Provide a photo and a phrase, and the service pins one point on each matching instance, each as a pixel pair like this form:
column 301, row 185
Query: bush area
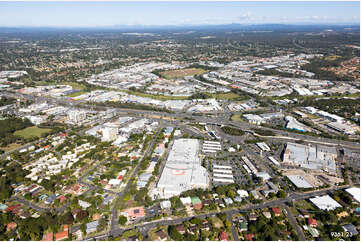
column 264, row 132
column 6, row 101
column 317, row 64
column 9, row 126
column 232, row 131
column 343, row 107
column 131, row 106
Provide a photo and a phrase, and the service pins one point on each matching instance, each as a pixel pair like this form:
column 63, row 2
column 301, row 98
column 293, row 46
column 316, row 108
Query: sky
column 102, row 14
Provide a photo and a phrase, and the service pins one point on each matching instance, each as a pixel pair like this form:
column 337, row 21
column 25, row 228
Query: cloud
column 245, row 17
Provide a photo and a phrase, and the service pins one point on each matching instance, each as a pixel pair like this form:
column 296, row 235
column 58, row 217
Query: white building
column 325, row 202
column 183, row 170
column 315, row 157
column 76, row 116
column 109, row 134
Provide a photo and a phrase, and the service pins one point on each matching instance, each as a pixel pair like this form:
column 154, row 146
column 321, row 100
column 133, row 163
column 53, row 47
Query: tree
column 196, row 221
column 83, row 228
column 174, row 234
column 122, row 220
column 67, row 218
column 83, row 214
column 281, row 194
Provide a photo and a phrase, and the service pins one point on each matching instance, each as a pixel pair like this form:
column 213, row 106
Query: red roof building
column 312, row 222
column 62, row 235
column 48, row 237
column 136, row 212
column 223, row 236
column 96, row 216
column 120, row 177
column 277, row 211
column 249, row 237
column 62, row 198
column 11, row 226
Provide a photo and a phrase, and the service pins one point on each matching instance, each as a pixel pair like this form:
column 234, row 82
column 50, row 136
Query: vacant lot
column 31, row 131
column 216, row 222
column 174, row 74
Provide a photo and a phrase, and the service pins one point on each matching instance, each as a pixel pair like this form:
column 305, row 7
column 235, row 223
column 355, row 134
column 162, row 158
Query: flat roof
column 299, row 181
column 325, row 202
column 183, row 170
column 355, row 192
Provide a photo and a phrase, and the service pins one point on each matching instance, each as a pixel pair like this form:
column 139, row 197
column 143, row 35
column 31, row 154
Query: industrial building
column 315, row 157
column 325, row 202
column 299, row 181
column 183, row 170
column 293, row 124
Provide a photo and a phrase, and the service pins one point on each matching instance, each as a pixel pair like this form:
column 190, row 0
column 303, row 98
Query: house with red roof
column 312, row 222
column 62, row 198
column 223, row 236
column 15, row 209
column 62, row 235
column 276, row 211
column 48, row 237
column 11, row 226
column 249, row 237
column 137, row 212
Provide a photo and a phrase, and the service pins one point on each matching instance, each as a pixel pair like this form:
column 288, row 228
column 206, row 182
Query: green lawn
column 31, row 131
column 237, row 118
column 226, row 96
column 216, row 222
column 174, row 74
column 75, row 94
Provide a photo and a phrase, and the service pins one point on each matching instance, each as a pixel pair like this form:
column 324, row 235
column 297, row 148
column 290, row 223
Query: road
column 233, row 229
column 114, row 219
column 274, row 203
column 292, row 219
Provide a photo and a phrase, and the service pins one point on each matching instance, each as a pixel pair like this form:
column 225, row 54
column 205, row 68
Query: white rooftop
column 355, row 192
column 299, row 181
column 325, row 202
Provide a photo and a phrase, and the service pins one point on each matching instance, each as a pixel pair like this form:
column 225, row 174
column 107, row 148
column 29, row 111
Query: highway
column 218, row 119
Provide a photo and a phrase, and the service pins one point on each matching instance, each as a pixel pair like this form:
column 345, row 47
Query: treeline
column 232, row 131
column 274, row 72
column 344, row 107
column 317, row 64
column 9, row 126
column 6, row 101
column 131, row 106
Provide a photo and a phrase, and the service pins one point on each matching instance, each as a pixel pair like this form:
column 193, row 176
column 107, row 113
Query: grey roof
column 92, row 225
column 350, row 228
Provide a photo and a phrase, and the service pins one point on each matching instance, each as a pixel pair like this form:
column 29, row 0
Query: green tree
column 122, row 220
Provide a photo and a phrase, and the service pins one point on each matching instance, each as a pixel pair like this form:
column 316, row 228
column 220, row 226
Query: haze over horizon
column 107, row 14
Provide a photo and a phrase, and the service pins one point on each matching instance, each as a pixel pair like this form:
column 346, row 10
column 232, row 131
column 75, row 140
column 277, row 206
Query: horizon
column 187, row 14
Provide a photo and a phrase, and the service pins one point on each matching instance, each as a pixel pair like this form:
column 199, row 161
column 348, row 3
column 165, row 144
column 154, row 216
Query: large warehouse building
column 183, row 170
column 314, row 157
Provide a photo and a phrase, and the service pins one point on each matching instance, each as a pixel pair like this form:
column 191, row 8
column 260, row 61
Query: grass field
column 31, row 131
column 11, row 146
column 332, row 57
column 225, row 96
column 75, row 94
column 237, row 118
column 216, row 222
column 174, row 74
